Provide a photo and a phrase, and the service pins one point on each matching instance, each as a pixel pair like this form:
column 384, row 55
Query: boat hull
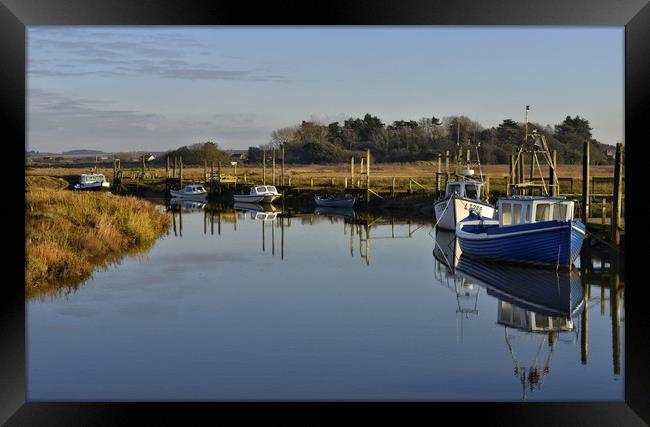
column 99, row 186
column 247, row 198
column 181, row 195
column 449, row 211
column 339, row 203
column 548, row 243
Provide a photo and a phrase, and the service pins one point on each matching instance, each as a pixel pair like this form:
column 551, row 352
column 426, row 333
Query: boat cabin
column 263, row 189
column 469, row 189
column 194, row 189
column 529, row 209
column 92, row 178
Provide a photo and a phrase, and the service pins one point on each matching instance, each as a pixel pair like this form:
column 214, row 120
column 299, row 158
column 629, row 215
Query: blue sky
column 158, row 88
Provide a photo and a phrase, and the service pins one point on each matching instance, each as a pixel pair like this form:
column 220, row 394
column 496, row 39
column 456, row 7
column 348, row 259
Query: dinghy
column 333, row 202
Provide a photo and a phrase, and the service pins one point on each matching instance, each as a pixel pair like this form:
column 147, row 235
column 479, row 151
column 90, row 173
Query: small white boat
column 459, row 198
column 192, row 191
column 333, row 202
column 92, row 182
column 259, row 194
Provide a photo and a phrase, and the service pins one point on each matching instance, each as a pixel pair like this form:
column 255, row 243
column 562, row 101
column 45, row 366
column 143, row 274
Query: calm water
column 258, row 306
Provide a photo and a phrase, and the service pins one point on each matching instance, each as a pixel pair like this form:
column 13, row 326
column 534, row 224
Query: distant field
column 381, row 174
column 387, row 170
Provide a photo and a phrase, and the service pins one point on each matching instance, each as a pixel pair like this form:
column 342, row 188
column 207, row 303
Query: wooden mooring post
column 552, row 174
column 368, row 177
column 273, row 167
column 586, row 199
column 616, row 200
column 180, row 171
column 264, row 167
column 352, row 172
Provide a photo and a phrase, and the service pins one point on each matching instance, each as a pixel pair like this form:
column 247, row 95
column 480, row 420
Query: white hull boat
column 460, row 197
column 92, row 182
column 332, row 202
column 261, row 194
column 193, row 191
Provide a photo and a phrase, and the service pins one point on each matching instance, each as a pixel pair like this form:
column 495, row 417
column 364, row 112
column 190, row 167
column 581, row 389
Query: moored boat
column 333, row 202
column 459, row 198
column 192, row 191
column 529, row 229
column 259, row 194
column 92, row 182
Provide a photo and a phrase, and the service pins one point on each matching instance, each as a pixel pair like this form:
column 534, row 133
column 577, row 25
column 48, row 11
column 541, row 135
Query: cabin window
column 529, row 208
column 260, row 189
column 543, row 212
column 470, row 191
column 516, row 214
column 559, row 212
column 541, row 321
column 506, row 312
column 271, row 188
column 506, row 214
column 454, row 189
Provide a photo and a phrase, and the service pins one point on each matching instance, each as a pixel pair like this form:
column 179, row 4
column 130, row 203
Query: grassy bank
column 69, row 234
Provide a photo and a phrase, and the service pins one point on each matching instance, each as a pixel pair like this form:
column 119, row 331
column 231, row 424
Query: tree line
column 411, row 140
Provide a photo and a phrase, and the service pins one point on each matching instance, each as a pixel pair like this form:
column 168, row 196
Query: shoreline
column 70, row 234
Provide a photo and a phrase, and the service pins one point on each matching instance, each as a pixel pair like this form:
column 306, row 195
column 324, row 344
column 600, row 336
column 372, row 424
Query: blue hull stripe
column 554, row 245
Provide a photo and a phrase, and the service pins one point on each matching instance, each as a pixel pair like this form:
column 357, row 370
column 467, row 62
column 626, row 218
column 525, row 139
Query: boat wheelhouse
column 459, row 198
column 531, row 229
column 259, row 194
column 92, row 181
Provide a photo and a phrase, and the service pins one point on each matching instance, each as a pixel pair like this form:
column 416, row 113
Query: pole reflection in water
column 532, row 302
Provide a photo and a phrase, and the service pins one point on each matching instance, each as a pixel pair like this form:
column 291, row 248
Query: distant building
column 610, row 152
column 237, row 155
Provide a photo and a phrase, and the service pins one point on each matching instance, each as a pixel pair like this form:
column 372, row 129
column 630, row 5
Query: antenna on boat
column 537, row 144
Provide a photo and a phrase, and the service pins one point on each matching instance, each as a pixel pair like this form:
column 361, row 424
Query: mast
column 537, row 144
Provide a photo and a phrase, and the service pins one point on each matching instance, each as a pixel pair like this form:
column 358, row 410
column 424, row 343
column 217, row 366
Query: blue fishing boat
column 530, row 229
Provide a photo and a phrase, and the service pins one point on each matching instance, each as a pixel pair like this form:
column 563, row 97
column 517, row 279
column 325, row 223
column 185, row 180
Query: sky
column 156, row 88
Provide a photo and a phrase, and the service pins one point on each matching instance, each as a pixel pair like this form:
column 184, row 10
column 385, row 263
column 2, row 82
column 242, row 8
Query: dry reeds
column 68, row 234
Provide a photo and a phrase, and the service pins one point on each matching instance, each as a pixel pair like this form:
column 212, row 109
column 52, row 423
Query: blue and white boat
column 529, row 229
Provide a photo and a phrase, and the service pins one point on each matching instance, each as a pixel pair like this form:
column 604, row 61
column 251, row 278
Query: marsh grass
column 68, row 234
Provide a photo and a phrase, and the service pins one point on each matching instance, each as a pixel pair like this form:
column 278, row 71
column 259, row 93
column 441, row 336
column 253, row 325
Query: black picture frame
column 15, row 15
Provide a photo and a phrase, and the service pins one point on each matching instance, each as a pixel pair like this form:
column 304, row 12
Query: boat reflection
column 534, row 306
column 187, row 205
column 255, row 207
column 340, row 212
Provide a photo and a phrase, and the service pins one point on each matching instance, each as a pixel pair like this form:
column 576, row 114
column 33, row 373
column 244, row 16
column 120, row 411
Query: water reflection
column 538, row 305
column 325, row 305
column 358, row 227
